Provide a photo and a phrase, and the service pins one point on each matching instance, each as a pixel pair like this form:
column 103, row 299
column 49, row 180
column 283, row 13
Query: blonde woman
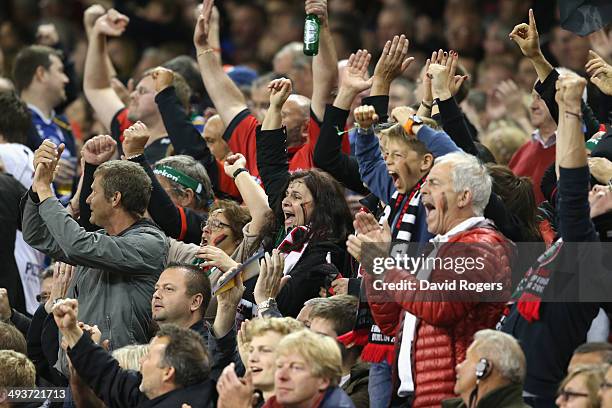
column 580, row 387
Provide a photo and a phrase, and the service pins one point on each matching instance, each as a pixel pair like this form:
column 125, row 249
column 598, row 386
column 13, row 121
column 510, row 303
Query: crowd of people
column 197, row 214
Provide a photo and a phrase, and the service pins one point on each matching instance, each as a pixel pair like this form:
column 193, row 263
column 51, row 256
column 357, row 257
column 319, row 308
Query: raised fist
column 135, row 139
column 99, row 149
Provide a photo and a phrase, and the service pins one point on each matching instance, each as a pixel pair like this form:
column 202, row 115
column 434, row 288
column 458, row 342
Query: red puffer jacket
column 445, row 328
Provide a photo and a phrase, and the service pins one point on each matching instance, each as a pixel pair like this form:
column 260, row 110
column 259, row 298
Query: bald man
column 213, row 136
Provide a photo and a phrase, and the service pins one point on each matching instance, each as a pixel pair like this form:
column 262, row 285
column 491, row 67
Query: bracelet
column 206, row 51
column 427, row 105
column 578, row 115
column 133, row 156
column 237, row 172
column 267, row 304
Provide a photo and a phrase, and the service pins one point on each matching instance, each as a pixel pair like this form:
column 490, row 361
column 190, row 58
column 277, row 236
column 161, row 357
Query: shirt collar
column 42, row 116
column 462, row 226
column 537, row 137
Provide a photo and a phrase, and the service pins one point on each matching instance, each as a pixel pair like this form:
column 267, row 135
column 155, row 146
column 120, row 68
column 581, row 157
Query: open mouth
column 289, row 218
column 429, row 207
column 256, row 370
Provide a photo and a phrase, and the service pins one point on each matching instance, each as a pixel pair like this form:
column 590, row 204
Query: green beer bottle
column 312, row 27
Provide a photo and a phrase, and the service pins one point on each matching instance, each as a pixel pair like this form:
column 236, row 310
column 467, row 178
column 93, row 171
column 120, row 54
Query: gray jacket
column 115, row 275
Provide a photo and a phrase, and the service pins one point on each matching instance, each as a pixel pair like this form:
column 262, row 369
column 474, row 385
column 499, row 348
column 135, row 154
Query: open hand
column 203, row 25
column 355, row 76
column 394, row 59
column 600, row 72
column 270, row 280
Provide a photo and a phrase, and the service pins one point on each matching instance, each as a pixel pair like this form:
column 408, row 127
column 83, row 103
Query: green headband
column 179, row 177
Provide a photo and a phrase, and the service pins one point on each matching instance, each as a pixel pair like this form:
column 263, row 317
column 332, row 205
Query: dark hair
column 484, row 154
column 340, row 310
column 596, row 347
column 196, row 282
column 237, row 215
column 331, row 218
column 12, row 339
column 15, row 118
column 517, row 193
column 188, row 68
column 27, row 62
column 130, row 180
column 186, row 353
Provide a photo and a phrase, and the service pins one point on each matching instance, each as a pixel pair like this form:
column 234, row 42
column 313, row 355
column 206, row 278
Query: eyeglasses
column 213, row 224
column 567, row 395
column 605, row 385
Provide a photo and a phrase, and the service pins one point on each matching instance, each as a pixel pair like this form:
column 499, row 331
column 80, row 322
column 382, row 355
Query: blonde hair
column 398, row 134
column 129, row 356
column 321, row 352
column 594, row 376
column 280, row 325
column 504, row 141
column 16, row 370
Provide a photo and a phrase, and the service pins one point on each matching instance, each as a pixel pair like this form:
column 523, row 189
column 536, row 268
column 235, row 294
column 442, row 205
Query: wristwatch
column 267, row 304
column 413, row 120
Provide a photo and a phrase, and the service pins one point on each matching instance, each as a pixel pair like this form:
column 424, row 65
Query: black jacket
column 120, row 388
column 510, row 396
column 549, row 342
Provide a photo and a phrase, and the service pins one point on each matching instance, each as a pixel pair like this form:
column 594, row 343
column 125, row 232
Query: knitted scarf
column 531, row 288
column 401, row 212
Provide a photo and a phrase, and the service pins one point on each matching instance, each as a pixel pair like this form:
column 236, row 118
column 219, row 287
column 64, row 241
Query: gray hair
column 129, row 356
column 315, row 301
column 294, row 49
column 468, row 173
column 503, row 351
column 195, row 170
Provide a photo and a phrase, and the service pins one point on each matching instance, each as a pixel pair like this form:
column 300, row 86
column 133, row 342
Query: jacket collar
column 504, row 397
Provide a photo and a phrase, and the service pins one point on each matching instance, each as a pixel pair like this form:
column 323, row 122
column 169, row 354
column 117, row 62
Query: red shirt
column 531, row 160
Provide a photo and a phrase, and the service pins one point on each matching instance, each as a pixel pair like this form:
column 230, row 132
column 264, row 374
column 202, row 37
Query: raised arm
column 328, row 153
column 325, row 63
column 254, row 196
column 272, row 144
column 97, row 76
column 176, row 222
column 574, row 215
column 527, row 38
column 225, row 95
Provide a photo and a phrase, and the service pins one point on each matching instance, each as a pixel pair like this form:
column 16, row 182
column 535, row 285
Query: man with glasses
column 109, row 108
column 46, row 282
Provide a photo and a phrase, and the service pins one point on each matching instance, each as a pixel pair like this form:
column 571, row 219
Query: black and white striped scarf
column 407, row 205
